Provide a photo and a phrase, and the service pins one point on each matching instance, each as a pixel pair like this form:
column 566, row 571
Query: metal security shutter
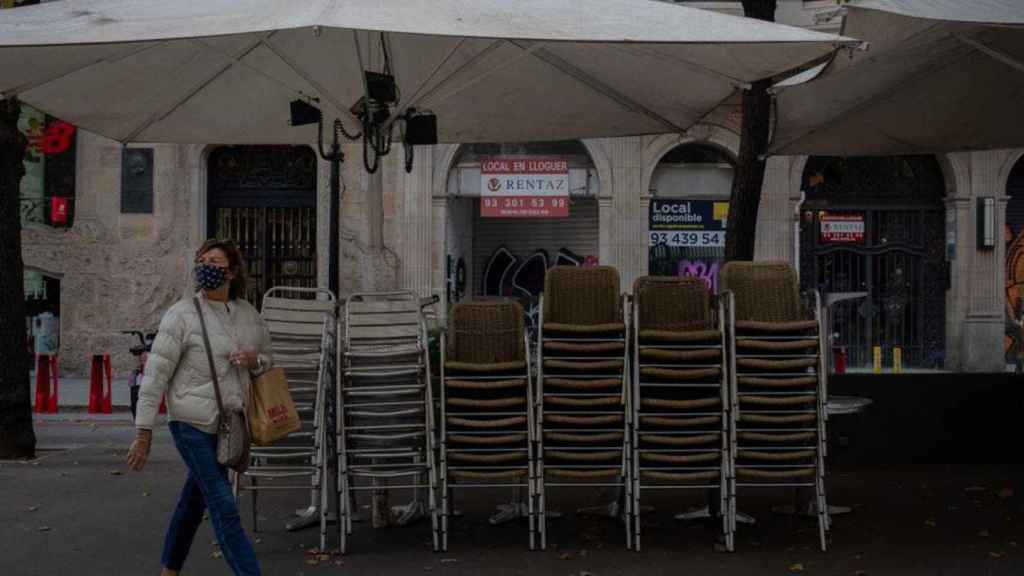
column 522, row 236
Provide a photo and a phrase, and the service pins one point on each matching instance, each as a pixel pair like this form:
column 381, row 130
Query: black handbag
column 232, row 429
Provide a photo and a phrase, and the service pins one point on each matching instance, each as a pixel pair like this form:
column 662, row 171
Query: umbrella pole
column 336, row 157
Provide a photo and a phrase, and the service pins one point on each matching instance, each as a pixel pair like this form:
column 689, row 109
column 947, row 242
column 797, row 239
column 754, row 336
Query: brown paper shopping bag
column 272, row 413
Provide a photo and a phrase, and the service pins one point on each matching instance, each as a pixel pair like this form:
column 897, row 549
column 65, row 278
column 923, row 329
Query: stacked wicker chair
column 385, row 427
column 583, row 414
column 777, row 376
column 680, row 392
column 487, row 433
column 303, row 335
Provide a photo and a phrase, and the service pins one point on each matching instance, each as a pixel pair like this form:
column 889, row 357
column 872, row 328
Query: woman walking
column 179, row 370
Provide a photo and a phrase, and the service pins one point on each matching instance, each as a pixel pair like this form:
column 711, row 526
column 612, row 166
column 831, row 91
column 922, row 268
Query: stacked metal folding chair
column 385, row 425
column 777, row 381
column 487, row 434
column 680, row 392
column 583, row 400
column 303, row 335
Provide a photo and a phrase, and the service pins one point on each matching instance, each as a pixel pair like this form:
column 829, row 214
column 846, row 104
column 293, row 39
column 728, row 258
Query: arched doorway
column 689, row 205
column 265, row 199
column 1014, row 338
column 877, row 225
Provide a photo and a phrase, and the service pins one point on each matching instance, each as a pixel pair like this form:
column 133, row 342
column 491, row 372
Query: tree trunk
column 741, row 228
column 17, row 439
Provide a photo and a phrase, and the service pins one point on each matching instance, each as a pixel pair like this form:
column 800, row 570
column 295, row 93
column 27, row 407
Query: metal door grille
column 900, row 262
column 264, row 198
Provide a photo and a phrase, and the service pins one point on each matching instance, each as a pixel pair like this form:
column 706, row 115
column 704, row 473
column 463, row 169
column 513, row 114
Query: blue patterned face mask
column 209, row 276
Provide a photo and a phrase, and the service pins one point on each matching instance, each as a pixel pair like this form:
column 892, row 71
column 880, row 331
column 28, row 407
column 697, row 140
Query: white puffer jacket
column 178, row 367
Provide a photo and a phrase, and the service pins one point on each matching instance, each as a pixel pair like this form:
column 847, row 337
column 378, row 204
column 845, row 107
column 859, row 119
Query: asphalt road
column 78, row 510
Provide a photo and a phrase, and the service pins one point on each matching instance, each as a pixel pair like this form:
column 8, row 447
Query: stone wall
column 117, row 271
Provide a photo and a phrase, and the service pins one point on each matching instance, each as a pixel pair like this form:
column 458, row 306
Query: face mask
column 209, row 276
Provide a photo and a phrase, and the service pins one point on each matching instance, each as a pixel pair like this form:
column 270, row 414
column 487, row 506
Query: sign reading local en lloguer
column 524, row 187
column 842, row 228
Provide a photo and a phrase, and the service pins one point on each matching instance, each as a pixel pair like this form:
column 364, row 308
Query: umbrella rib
column 869, row 102
column 472, row 81
column 601, row 88
column 739, row 83
column 416, row 93
column 301, row 72
column 991, row 52
column 38, row 83
column 153, row 119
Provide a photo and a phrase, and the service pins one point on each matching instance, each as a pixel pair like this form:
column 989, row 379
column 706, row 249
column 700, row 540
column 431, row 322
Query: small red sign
column 58, row 210
column 845, row 228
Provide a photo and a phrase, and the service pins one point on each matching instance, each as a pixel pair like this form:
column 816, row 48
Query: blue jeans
column 207, row 486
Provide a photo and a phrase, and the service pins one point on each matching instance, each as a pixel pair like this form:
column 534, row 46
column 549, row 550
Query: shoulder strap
column 209, row 355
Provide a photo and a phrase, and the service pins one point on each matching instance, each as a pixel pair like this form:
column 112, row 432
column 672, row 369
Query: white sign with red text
column 524, row 187
column 842, row 228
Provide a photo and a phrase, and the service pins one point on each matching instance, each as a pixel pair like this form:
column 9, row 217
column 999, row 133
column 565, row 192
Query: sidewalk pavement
column 73, row 394
column 78, row 508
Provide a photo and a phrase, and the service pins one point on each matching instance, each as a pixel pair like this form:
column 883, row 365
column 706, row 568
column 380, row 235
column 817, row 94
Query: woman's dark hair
column 236, row 264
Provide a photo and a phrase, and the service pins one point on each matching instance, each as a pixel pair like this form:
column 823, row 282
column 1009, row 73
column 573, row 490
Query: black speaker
column 421, row 129
column 381, row 87
column 303, row 113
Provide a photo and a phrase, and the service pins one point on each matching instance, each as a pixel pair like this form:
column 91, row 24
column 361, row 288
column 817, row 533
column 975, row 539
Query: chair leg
column 255, row 505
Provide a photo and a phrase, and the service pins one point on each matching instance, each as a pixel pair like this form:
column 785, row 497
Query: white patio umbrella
column 491, row 70
column 225, row 71
column 940, row 75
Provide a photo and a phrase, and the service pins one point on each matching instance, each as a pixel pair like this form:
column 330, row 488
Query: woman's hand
column 244, row 358
column 138, row 453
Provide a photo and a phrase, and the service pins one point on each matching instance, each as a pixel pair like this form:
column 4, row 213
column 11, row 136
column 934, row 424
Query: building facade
column 930, row 239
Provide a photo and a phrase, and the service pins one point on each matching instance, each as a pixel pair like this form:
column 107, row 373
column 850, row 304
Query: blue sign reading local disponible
column 681, row 222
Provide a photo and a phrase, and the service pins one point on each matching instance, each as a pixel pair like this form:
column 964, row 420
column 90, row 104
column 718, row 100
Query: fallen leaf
column 798, row 567
column 116, row 473
column 43, row 529
column 565, row 556
column 216, row 554
column 323, row 557
column 312, row 561
column 33, row 508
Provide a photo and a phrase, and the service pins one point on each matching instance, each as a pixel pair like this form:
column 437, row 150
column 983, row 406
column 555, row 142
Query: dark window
column 137, row 181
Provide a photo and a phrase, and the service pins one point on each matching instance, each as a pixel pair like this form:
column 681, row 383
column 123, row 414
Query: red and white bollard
column 47, row 391
column 100, row 385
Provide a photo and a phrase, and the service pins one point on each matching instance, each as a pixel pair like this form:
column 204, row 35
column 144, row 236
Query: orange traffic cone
column 42, row 384
column 108, row 398
column 96, row 385
column 51, row 406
